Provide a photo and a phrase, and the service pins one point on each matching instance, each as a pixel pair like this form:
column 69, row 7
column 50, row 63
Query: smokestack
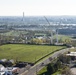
column 57, row 35
column 23, row 16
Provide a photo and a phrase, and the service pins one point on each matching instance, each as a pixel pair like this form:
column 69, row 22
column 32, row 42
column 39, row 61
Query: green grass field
column 14, row 33
column 27, row 53
column 62, row 37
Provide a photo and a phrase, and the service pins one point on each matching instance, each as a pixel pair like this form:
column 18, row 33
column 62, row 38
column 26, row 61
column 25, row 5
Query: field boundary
column 47, row 55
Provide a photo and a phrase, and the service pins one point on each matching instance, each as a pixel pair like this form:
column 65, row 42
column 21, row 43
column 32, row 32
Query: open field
column 14, row 33
column 27, row 53
column 62, row 37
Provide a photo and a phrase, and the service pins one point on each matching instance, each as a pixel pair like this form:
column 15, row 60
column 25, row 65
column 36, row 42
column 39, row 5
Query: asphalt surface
column 33, row 70
column 73, row 70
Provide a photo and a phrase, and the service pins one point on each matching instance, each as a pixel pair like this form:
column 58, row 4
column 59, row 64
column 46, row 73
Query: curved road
column 33, row 70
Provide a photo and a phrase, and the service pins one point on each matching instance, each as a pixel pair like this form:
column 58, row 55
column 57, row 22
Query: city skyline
column 37, row 7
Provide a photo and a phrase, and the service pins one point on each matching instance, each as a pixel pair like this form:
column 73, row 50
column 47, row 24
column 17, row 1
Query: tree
column 66, row 71
column 36, row 41
column 64, row 58
column 59, row 63
column 50, row 68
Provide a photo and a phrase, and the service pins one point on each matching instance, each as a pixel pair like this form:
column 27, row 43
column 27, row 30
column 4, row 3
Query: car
column 42, row 64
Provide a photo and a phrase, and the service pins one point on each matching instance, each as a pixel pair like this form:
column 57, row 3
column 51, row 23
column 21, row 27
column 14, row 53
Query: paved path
column 73, row 70
column 33, row 70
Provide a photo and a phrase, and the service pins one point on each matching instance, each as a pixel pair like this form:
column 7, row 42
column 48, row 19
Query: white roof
column 1, row 65
column 3, row 60
column 1, row 73
column 71, row 54
column 2, row 70
column 11, row 68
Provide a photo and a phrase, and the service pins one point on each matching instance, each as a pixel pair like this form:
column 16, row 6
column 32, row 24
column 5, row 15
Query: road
column 33, row 70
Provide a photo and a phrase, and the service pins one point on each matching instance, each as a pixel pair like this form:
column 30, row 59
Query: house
column 12, row 61
column 3, row 60
column 11, row 70
column 8, row 70
column 2, row 68
column 72, row 55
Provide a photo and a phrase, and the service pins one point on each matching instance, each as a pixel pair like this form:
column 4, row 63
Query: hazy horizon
column 37, row 7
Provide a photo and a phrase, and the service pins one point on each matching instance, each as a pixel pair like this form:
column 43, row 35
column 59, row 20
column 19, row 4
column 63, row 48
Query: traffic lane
column 36, row 68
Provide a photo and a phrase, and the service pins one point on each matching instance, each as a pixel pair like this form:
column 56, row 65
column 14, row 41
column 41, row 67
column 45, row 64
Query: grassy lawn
column 14, row 33
column 28, row 53
column 63, row 37
column 57, row 73
column 43, row 71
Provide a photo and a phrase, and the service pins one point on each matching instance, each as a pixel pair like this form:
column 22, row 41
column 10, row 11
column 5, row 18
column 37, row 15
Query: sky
column 37, row 7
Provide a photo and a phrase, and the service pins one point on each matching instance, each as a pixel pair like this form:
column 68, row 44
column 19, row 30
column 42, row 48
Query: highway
column 33, row 70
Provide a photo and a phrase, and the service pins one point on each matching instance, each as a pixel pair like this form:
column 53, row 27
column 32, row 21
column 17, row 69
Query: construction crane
column 51, row 30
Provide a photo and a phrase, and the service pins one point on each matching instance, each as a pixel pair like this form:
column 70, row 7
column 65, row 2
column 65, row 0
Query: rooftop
column 71, row 54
